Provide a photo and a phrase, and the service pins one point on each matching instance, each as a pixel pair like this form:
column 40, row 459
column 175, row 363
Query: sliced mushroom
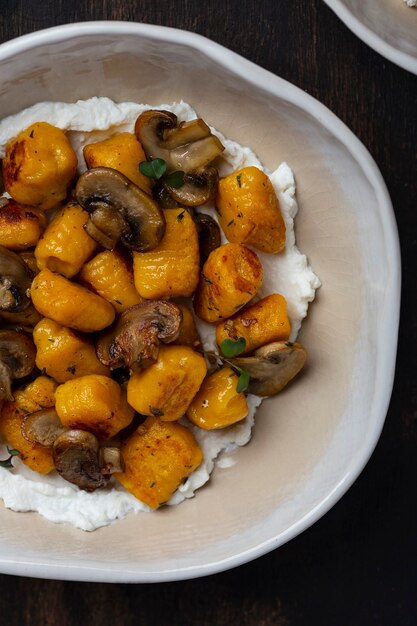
column 28, row 257
column 110, row 460
column 17, row 359
column 187, row 146
column 134, row 339
column 185, row 132
column 29, row 316
column 15, row 282
column 163, row 198
column 119, row 210
column 209, row 237
column 42, row 427
column 272, row 366
column 199, row 187
column 75, row 454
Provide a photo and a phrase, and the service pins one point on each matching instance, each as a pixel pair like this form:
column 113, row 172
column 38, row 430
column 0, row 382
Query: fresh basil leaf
column 153, row 169
column 232, row 348
column 175, row 179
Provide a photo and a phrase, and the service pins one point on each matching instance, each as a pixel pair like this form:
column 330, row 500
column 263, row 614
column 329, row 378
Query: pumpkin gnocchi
column 135, row 264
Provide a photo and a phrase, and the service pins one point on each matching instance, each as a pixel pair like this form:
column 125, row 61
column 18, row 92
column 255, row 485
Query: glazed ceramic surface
column 311, row 441
column 387, row 26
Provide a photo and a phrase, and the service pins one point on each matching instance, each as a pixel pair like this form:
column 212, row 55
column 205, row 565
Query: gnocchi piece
column 38, row 166
column 65, row 245
column 172, row 268
column 218, row 403
column 188, row 334
column 158, row 456
column 231, row 276
column 260, row 323
column 122, row 152
column 63, row 353
column 249, row 210
column 94, row 403
column 37, row 395
column 110, row 275
column 20, row 226
column 166, row 388
column 70, row 304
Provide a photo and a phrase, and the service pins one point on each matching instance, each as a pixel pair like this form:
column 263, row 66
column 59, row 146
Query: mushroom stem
column 110, row 460
column 106, row 226
column 184, row 133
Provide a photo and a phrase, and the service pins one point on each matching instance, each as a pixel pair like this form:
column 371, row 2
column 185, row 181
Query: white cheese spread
column 287, row 273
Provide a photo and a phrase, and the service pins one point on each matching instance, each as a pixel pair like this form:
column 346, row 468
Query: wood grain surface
column 357, row 566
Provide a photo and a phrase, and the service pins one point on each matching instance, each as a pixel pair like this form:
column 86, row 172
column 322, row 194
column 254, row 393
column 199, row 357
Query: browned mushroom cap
column 272, row 366
column 17, row 359
column 42, row 427
column 15, row 282
column 187, row 146
column 199, row 187
column 209, row 237
column 119, row 210
column 134, row 339
column 75, row 454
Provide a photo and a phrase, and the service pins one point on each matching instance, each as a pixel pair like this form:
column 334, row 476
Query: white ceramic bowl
column 312, row 440
column 387, row 26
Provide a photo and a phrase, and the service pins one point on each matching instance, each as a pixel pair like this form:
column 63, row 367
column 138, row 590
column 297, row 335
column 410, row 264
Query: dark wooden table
column 358, row 565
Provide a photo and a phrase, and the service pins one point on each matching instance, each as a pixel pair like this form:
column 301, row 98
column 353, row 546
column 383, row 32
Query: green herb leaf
column 71, row 369
column 156, row 412
column 180, row 217
column 175, row 179
column 232, row 348
column 153, row 169
column 238, row 178
column 8, row 462
column 243, row 381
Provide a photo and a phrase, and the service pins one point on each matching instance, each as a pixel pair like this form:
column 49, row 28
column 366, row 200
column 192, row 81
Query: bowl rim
column 368, row 36
column 42, row 567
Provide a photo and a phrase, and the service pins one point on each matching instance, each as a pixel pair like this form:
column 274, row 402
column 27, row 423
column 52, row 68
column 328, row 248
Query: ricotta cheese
column 411, row 3
column 287, row 273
